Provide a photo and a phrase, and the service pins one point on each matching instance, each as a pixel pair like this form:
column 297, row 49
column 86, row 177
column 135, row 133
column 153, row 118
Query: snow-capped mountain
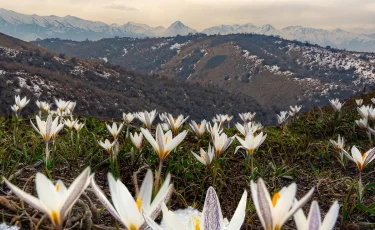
column 337, row 38
column 32, row 27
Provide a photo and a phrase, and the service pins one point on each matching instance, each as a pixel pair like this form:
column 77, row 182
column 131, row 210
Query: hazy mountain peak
column 31, row 27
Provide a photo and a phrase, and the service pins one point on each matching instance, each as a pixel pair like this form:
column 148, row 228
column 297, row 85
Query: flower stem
column 157, row 176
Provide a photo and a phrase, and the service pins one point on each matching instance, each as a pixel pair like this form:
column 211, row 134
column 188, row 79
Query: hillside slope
column 104, row 90
column 274, row 71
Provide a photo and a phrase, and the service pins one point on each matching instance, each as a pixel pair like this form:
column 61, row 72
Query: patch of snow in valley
column 8, row 51
column 125, row 52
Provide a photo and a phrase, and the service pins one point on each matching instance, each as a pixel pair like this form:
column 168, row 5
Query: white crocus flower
column 373, row 100
column 245, row 117
column 339, row 145
column 61, row 105
column 362, row 123
column 336, row 104
column 198, row 129
column 176, row 123
column 274, row 212
column 128, row 117
column 70, row 108
column 361, row 160
column 211, row 218
column 251, row 142
column 364, row 111
column 48, row 130
column 15, row 108
column 314, row 221
column 205, row 157
column 78, row 126
column 128, row 210
column 212, row 129
column 163, row 117
column 107, row 145
column 55, row 200
column 114, row 130
column 137, row 140
column 221, row 143
column 282, row 117
column 359, row 102
column 70, row 123
column 294, row 110
column 248, row 128
column 21, row 103
column 147, row 118
column 163, row 144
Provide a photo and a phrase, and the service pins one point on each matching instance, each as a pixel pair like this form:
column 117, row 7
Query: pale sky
column 352, row 15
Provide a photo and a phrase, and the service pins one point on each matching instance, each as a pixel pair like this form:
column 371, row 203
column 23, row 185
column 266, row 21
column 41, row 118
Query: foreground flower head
column 245, row 117
column 70, row 123
column 198, row 129
column 362, row 123
column 221, row 143
column 176, row 123
column 55, row 200
column 78, row 126
column 282, row 117
column 114, row 130
column 274, row 212
column 359, row 102
column 336, row 104
column 48, row 129
column 205, row 157
column 212, row 129
column 294, row 110
column 61, row 105
column 107, row 145
column 364, row 111
column 211, row 219
column 128, row 210
column 251, row 142
column 137, row 140
column 21, row 103
column 163, row 144
column 314, row 221
column 248, row 128
column 15, row 108
column 128, row 117
column 147, row 118
column 361, row 160
column 339, row 145
column 42, row 105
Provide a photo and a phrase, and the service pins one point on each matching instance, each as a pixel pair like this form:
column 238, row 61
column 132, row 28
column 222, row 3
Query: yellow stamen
column 364, row 156
column 55, row 218
column 174, row 120
column 199, row 126
column 166, row 139
column 139, row 203
column 275, row 198
column 133, row 227
column 277, row 227
column 197, row 226
column 57, row 188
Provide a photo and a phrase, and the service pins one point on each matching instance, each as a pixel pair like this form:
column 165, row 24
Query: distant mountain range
column 32, row 27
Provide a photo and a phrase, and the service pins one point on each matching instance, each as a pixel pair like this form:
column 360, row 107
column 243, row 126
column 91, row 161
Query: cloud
column 115, row 6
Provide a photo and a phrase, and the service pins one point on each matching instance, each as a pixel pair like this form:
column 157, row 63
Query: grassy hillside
column 300, row 152
column 29, row 70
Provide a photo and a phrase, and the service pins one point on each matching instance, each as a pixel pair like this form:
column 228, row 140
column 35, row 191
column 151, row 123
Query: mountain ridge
column 32, row 27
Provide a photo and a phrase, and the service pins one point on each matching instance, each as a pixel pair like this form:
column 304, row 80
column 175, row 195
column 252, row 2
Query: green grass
column 300, row 152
